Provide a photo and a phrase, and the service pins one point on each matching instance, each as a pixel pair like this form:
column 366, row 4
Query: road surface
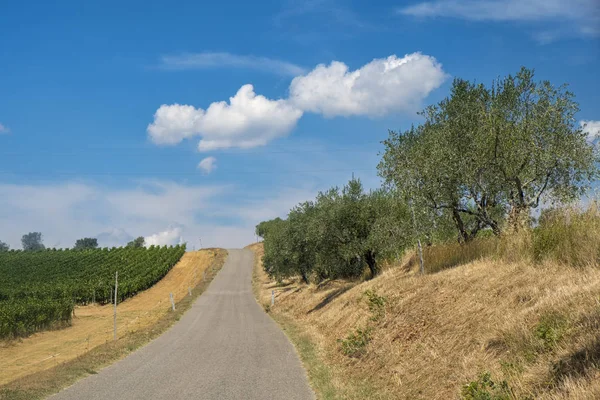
column 224, row 347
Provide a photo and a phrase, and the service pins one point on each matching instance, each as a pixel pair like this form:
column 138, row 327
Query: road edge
column 318, row 372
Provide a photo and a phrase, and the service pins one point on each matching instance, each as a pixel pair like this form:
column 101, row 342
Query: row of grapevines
column 62, row 277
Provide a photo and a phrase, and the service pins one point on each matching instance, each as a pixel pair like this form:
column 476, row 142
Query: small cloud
column 207, row 165
column 4, row 129
column 591, row 129
column 218, row 60
column 170, row 237
column 567, row 18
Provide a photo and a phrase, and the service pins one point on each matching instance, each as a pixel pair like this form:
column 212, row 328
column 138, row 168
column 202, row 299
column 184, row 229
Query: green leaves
column 39, row 289
column 483, row 154
column 337, row 236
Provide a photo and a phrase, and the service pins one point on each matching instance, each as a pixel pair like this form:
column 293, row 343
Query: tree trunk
column 462, row 232
column 304, row 277
column 518, row 217
column 372, row 263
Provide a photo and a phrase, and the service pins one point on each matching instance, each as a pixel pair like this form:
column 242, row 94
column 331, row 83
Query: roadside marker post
column 172, row 301
column 115, row 313
column 190, row 291
column 272, row 297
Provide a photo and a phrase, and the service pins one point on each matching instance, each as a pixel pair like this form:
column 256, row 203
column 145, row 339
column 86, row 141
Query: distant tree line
column 481, row 161
column 33, row 241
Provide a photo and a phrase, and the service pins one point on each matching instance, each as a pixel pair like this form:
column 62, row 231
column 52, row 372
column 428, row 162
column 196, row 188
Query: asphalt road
column 224, row 347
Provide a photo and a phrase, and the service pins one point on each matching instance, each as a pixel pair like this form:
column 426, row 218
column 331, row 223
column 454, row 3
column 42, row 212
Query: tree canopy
column 137, row 242
column 4, row 246
column 339, row 234
column 32, row 241
column 86, row 243
column 485, row 155
column 482, row 159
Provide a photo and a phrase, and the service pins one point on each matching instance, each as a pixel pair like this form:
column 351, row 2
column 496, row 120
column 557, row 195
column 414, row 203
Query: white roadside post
column 115, row 313
column 190, row 291
column 172, row 301
column 272, row 297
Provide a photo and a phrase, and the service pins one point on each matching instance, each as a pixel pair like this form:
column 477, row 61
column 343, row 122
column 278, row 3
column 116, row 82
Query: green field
column 38, row 289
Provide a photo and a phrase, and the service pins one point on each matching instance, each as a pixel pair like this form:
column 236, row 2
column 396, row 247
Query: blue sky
column 197, row 120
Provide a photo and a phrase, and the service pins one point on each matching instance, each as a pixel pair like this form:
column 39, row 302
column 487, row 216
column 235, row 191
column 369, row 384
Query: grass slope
column 401, row 335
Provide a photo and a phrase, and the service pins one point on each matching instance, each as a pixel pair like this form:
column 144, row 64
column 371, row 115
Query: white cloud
column 65, row 212
column 170, row 237
column 582, row 15
column 163, row 201
column 591, row 129
column 380, row 87
column 114, row 237
column 248, row 120
column 220, row 59
column 4, row 129
column 207, row 165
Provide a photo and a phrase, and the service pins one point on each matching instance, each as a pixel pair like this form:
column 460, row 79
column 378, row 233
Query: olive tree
column 483, row 154
column 537, row 151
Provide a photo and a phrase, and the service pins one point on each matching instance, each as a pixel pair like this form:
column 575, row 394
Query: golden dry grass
column 537, row 327
column 93, row 324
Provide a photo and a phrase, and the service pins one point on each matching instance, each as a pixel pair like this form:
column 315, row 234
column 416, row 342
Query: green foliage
column 86, row 243
column 23, row 316
column 137, row 242
column 338, row 235
column 32, row 241
column 486, row 154
column 376, row 304
column 40, row 288
column 4, row 246
column 485, row 388
column 355, row 344
column 550, row 329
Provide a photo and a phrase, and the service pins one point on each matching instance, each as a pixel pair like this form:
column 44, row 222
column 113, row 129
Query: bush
column 376, row 305
column 550, row 329
column 355, row 344
column 485, row 388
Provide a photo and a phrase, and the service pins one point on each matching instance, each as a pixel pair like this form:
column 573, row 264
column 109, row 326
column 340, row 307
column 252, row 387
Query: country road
column 224, row 347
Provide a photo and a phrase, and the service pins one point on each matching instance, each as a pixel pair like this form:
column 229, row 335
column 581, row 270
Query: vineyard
column 38, row 290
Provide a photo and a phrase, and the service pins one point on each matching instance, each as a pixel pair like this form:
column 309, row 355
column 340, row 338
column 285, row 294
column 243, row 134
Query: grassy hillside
column 500, row 325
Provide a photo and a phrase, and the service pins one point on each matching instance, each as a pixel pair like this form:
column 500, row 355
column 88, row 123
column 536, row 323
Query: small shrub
column 376, row 304
column 485, row 388
column 550, row 329
column 355, row 344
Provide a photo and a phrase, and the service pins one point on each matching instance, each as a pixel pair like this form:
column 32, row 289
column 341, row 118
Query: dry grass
column 93, row 325
column 537, row 326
